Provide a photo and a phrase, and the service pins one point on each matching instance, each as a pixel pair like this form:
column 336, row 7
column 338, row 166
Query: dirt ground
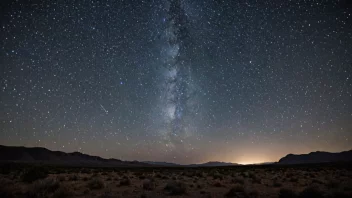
column 240, row 181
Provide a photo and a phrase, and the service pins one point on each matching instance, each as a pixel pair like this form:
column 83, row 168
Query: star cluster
column 244, row 81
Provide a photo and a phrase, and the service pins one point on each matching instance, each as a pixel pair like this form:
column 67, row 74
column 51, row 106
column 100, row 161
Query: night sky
column 178, row 81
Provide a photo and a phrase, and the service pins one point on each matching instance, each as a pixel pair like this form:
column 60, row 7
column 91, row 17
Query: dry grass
column 252, row 182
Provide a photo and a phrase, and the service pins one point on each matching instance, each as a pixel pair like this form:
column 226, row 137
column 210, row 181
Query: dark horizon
column 177, row 80
column 197, row 163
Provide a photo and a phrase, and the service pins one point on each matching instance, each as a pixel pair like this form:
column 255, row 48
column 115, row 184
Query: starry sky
column 177, row 80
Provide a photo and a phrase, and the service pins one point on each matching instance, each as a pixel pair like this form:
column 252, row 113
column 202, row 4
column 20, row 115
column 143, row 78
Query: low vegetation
column 33, row 174
column 95, row 183
column 242, row 181
column 175, row 188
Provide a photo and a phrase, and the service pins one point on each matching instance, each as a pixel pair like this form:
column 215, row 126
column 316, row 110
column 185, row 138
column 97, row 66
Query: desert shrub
column 158, row 175
column 107, row 194
column 125, row 181
column 202, row 192
column 287, row 193
column 94, row 175
column 43, row 188
column 332, row 184
column 217, row 175
column 251, row 175
column 86, row 191
column 74, row 177
column 245, row 174
column 175, row 188
column 199, row 174
column 235, row 191
column 141, row 177
column 256, row 180
column 252, row 194
column 317, row 181
column 34, row 174
column 61, row 178
column 6, row 192
column 289, row 174
column 238, row 180
column 148, row 184
column 218, row 184
column 62, row 192
column 276, row 183
column 96, row 183
column 311, row 192
column 294, row 180
column 340, row 194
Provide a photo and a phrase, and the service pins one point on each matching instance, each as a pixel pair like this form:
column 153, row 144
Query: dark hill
column 43, row 155
column 316, row 157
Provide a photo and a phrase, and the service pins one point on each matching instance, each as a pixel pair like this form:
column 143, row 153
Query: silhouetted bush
column 61, row 178
column 251, row 194
column 43, row 188
column 34, row 174
column 217, row 175
column 235, row 191
column 311, row 192
column 175, row 188
column 74, row 177
column 218, row 184
column 125, row 181
column 96, row 183
column 148, row 184
column 276, row 183
column 287, row 193
column 62, row 192
column 332, row 184
column 340, row 194
column 294, row 180
column 238, row 180
column 6, row 192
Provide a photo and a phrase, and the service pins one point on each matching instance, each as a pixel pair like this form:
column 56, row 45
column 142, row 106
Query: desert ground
column 313, row 181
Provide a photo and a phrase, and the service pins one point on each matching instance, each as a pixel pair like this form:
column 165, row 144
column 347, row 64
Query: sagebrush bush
column 148, row 184
column 63, row 192
column 217, row 175
column 311, row 192
column 287, row 193
column 74, row 177
column 96, row 183
column 6, row 191
column 235, row 190
column 43, row 188
column 175, row 188
column 33, row 174
column 238, row 180
column 125, row 181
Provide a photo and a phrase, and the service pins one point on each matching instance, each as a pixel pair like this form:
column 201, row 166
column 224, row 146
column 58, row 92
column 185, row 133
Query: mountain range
column 317, row 157
column 43, row 155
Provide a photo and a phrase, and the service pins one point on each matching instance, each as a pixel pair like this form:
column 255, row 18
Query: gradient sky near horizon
column 269, row 78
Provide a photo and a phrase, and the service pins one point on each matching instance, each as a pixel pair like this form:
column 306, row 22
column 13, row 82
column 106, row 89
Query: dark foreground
column 313, row 181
